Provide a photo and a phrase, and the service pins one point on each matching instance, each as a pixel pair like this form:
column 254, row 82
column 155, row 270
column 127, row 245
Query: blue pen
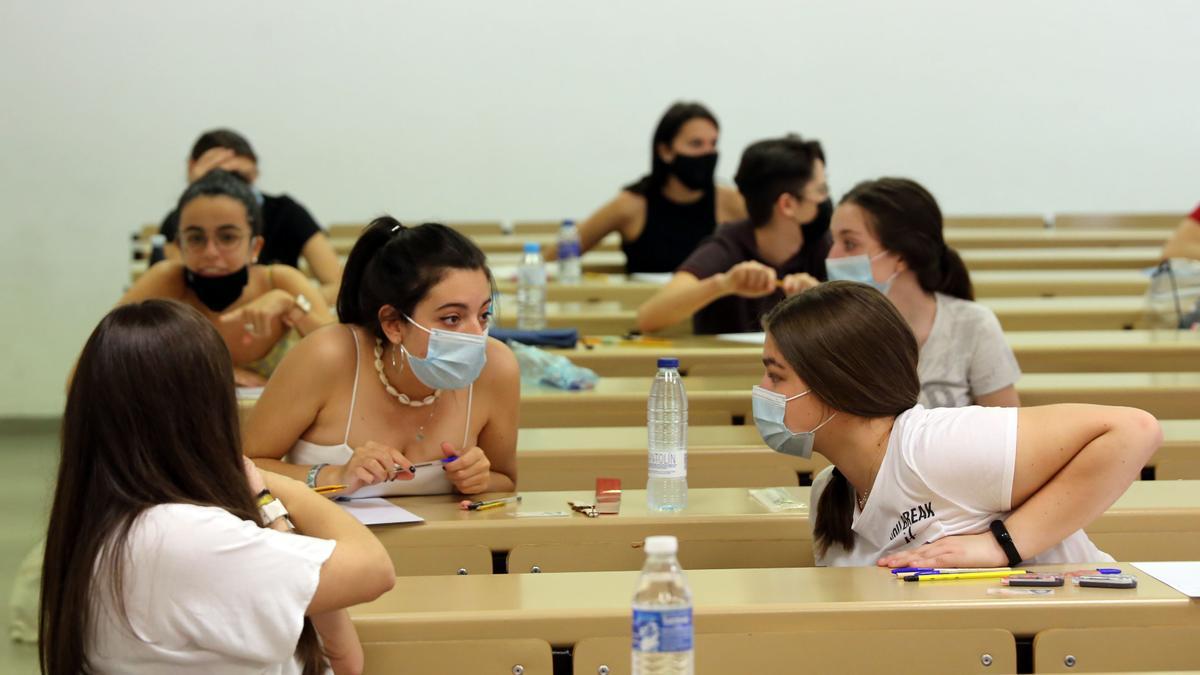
column 443, row 461
column 910, row 570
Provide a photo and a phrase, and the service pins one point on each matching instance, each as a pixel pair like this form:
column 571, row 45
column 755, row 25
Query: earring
column 393, row 356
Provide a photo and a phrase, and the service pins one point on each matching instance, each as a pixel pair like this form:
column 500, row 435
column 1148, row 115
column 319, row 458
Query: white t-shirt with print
column 206, row 592
column 965, row 355
column 946, row 471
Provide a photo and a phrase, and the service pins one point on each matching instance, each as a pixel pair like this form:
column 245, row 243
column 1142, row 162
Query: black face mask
column 217, row 293
column 696, row 172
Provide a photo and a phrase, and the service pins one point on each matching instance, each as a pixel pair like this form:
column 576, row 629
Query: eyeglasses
column 227, row 239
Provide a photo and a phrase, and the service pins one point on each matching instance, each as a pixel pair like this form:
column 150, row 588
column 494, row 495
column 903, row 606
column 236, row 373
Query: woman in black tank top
column 666, row 214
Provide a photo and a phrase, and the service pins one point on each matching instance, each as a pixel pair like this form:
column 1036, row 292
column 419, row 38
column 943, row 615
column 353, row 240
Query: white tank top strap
column 354, row 391
column 467, row 428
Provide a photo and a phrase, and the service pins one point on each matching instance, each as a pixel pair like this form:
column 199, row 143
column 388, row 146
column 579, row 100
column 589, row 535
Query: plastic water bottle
column 531, row 289
column 662, row 614
column 570, row 268
column 158, row 248
column 666, row 416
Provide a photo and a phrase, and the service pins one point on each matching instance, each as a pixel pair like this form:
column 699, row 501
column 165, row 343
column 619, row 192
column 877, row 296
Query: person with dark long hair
column 664, row 215
column 931, row 487
column 167, row 550
column 887, row 233
column 410, row 376
column 259, row 310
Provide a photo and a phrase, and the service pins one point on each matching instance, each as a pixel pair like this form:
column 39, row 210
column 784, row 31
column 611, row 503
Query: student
column 158, row 556
column 1185, row 242
column 410, row 377
column 254, row 307
column 923, row 487
column 666, row 214
column 289, row 230
column 746, row 268
column 888, row 233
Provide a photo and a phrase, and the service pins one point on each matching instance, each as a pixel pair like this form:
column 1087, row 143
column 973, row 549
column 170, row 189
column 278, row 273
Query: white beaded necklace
column 428, row 400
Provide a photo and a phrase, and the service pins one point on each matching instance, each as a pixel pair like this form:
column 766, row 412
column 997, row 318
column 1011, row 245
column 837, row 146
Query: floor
column 29, row 459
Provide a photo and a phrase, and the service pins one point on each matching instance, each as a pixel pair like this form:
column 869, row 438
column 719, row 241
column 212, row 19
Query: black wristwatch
column 1000, row 532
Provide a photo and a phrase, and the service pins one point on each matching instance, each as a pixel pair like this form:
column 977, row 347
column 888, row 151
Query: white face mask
column 858, row 268
column 453, row 360
column 769, row 411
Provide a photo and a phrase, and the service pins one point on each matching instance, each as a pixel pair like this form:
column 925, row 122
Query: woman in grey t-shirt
column 888, row 233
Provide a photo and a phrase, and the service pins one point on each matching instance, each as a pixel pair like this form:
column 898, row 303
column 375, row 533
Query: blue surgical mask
column 769, row 411
column 453, row 360
column 857, row 268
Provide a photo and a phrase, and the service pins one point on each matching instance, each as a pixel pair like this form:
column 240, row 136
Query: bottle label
column 668, row 463
column 667, row 630
column 532, row 276
column 568, row 249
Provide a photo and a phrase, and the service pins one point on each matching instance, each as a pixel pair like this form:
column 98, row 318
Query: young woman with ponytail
column 888, row 233
column 944, row 487
column 409, row 377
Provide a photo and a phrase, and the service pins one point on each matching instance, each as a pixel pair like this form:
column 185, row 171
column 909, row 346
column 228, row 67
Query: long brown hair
column 906, row 219
column 848, row 343
column 151, row 419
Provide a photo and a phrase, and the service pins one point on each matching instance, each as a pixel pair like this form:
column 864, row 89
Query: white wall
column 542, row 109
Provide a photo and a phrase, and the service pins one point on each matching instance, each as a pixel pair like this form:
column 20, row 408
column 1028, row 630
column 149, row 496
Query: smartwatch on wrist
column 1000, row 532
column 271, row 510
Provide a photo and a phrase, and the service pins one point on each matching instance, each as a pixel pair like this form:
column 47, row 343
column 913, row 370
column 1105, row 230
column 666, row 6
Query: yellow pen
column 936, row 576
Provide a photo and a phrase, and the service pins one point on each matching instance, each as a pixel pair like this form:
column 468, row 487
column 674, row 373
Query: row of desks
column 961, row 239
column 1030, row 221
column 1015, row 314
column 988, row 284
column 721, row 400
column 1036, row 351
column 734, row 456
column 721, row 528
column 621, row 401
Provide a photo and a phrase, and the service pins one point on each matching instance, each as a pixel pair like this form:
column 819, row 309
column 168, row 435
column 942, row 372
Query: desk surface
column 565, row 608
column 714, row 514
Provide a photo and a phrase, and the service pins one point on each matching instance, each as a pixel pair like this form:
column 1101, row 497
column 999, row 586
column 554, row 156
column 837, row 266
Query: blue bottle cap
column 1108, row 570
column 533, row 247
column 568, row 223
column 668, row 362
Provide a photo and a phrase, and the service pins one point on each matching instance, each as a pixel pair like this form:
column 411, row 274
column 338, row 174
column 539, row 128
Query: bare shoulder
column 163, row 280
column 628, row 204
column 502, row 369
column 730, row 204
column 324, row 353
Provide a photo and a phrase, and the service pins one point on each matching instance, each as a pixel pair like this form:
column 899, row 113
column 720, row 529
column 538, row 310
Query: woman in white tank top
column 411, row 378
column 946, row 487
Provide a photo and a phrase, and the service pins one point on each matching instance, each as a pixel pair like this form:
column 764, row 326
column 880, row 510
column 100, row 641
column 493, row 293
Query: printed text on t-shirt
column 909, row 518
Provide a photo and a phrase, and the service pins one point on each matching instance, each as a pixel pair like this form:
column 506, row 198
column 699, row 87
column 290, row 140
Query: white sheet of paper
column 744, row 338
column 379, row 511
column 660, row 278
column 1182, row 576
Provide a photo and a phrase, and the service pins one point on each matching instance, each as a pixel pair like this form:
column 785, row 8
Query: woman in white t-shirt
column 949, row 487
column 888, row 233
column 157, row 558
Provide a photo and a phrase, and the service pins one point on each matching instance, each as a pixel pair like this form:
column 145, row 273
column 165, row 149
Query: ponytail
column 835, row 515
column 370, row 241
column 393, row 265
column 955, row 280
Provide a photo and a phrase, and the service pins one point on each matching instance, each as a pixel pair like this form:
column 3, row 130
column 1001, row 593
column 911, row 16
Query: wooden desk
column 1097, row 221
column 1012, row 238
column 988, row 284
column 734, row 456
column 564, row 609
column 619, row 401
column 1153, row 520
column 1032, row 221
column 1139, row 257
column 1036, row 351
column 1059, row 313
